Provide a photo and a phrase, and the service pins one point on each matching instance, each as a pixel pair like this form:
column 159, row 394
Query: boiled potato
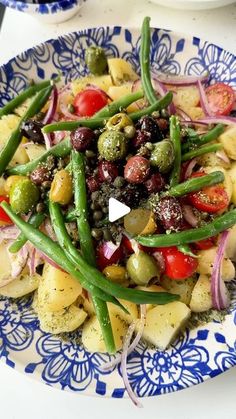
column 34, row 151
column 20, row 286
column 131, row 307
column 2, row 186
column 121, row 71
column 195, row 112
column 201, row 296
column 92, row 337
column 103, row 82
column 61, row 321
column 231, row 244
column 8, row 124
column 57, row 289
column 117, row 92
column 227, row 181
column 5, row 265
column 228, row 140
column 164, row 322
column 211, row 159
column 232, row 174
column 206, row 260
column 151, row 288
column 186, row 97
column 182, row 288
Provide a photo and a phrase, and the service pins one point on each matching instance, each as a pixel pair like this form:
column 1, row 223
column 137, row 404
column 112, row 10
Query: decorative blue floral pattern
column 42, row 9
column 200, row 353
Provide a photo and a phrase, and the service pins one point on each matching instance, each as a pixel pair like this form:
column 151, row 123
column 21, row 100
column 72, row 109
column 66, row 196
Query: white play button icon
column 117, row 210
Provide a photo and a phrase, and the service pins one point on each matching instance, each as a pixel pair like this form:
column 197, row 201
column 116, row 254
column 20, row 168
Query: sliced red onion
column 134, row 244
column 195, row 122
column 64, row 107
column 190, row 168
column 52, row 107
column 189, row 215
column 181, row 80
column 124, row 356
column 223, row 156
column 160, row 260
column 18, row 261
column 226, row 120
column 183, row 114
column 219, row 293
column 203, row 100
column 59, row 136
column 48, row 140
column 49, row 230
column 162, row 90
column 8, row 233
column 109, row 249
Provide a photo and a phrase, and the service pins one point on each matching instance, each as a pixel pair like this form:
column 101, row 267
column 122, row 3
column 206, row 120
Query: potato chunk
column 183, row 288
column 121, row 71
column 20, row 286
column 164, row 322
column 206, row 260
column 201, row 296
column 131, row 307
column 102, row 82
column 228, row 140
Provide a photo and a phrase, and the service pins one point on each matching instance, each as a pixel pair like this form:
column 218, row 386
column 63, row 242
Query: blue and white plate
column 201, row 353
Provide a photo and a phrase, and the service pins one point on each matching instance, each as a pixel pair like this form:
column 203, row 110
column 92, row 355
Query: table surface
column 20, row 396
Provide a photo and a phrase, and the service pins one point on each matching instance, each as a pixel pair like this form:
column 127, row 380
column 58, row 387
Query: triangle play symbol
column 117, row 210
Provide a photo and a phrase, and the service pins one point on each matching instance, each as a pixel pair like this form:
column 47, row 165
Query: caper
column 129, row 131
column 156, row 114
column 24, row 195
column 95, row 195
column 119, row 122
column 164, row 113
column 71, row 108
column 90, row 154
column 119, row 182
column 142, row 268
column 96, row 233
column 51, row 162
column 94, row 206
column 97, row 215
column 112, row 145
column 107, row 235
column 149, row 146
column 95, row 59
column 40, row 207
column 163, row 156
column 46, row 184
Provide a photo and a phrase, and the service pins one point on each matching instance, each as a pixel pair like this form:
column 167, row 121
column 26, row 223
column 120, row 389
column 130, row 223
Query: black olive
column 31, row 129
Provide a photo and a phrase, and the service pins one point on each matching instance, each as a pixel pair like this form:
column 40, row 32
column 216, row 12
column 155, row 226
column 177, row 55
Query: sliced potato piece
column 227, row 181
column 22, row 285
column 116, row 92
column 131, row 307
column 195, row 112
column 164, row 322
column 183, row 288
column 151, row 288
column 231, row 244
column 186, row 97
column 5, row 265
column 201, row 296
column 92, row 337
column 232, row 174
column 206, row 260
column 57, row 289
column 121, row 71
column 211, row 159
column 228, row 140
column 103, row 82
column 34, row 151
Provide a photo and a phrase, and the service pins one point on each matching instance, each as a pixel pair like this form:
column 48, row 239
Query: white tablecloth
column 23, row 398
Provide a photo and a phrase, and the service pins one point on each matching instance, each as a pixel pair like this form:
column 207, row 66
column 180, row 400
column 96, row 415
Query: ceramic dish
column 201, row 353
column 55, row 12
column 193, row 4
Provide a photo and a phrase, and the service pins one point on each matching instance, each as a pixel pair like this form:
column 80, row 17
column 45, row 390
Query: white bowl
column 56, row 12
column 193, row 4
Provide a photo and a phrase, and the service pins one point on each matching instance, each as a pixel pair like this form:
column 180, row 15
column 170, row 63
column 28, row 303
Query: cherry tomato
column 221, row 98
column 3, row 216
column 89, row 101
column 205, row 244
column 177, row 265
column 210, row 199
column 128, row 247
column 102, row 261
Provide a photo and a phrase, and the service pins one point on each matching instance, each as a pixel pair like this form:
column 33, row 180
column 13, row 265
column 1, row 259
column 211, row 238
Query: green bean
column 118, row 105
column 99, row 122
column 57, row 254
column 176, row 140
column 70, row 216
column 186, row 250
column 157, row 106
column 145, row 62
column 200, row 151
column 211, row 135
column 61, row 149
column 19, row 99
column 36, row 221
column 196, row 183
column 219, row 224
column 14, row 140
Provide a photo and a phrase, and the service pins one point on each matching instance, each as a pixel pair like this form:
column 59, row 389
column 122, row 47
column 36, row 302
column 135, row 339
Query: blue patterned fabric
column 201, row 353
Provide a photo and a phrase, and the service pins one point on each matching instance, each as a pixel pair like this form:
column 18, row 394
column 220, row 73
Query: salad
column 163, row 145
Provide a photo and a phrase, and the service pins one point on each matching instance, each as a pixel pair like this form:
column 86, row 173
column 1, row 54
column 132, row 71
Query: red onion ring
column 189, row 215
column 109, row 249
column 183, row 115
column 190, row 168
column 203, row 100
column 226, row 120
column 181, row 80
column 52, row 108
column 223, row 156
column 219, row 294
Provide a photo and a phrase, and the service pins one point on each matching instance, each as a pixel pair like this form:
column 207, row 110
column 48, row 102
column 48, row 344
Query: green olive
column 24, row 195
column 119, row 122
column 112, row 145
column 142, row 268
column 163, row 156
column 95, row 59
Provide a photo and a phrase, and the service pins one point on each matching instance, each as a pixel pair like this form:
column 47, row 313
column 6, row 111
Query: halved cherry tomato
column 102, row 261
column 210, row 199
column 177, row 265
column 89, row 101
column 205, row 244
column 128, row 247
column 221, row 98
column 3, row 216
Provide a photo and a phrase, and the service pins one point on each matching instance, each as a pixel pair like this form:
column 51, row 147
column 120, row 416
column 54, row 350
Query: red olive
column 107, row 171
column 93, row 184
column 155, row 183
column 137, row 169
